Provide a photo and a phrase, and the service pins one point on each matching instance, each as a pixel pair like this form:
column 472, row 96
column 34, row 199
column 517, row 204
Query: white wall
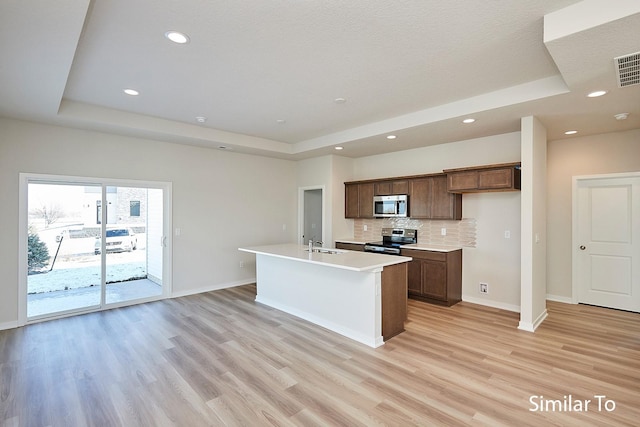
column 329, row 172
column 494, row 260
column 590, row 155
column 342, row 171
column 221, row 200
column 315, row 173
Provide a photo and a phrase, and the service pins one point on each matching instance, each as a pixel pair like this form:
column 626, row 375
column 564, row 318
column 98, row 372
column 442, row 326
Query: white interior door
column 607, row 242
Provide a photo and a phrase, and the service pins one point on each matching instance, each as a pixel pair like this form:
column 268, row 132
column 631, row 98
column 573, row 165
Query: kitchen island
column 360, row 295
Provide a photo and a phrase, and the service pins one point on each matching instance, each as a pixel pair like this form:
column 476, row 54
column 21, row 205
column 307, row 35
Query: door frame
column 301, row 191
column 575, row 241
column 23, row 225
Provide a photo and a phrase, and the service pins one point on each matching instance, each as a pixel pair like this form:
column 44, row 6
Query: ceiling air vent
column 628, row 69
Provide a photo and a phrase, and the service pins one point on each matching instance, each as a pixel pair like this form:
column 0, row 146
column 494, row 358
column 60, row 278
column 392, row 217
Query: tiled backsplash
column 459, row 233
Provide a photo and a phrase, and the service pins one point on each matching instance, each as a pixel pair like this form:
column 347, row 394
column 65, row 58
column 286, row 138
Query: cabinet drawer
column 428, row 255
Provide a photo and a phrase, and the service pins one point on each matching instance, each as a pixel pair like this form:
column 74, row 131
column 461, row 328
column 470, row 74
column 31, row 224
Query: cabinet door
column 400, row 187
column 444, row 205
column 365, row 199
column 414, row 278
column 434, row 279
column 351, row 200
column 420, row 198
column 459, row 181
column 383, row 188
column 387, row 188
column 495, row 178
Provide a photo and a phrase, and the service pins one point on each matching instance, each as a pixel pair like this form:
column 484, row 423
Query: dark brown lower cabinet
column 435, row 277
column 350, row 246
column 394, row 299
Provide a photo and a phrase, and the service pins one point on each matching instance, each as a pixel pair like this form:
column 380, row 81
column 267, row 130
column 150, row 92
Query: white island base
column 342, row 292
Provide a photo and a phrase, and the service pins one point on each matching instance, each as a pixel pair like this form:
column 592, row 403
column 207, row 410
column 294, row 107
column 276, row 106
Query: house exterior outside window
column 134, row 208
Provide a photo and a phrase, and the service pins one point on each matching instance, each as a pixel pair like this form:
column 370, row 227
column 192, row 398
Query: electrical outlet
column 443, row 231
column 484, row 288
column 507, row 234
column 241, row 264
column 365, row 227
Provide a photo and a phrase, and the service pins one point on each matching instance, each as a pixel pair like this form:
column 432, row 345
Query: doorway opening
column 91, row 244
column 312, row 209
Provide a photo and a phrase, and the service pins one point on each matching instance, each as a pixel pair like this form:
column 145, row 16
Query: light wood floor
column 221, row 359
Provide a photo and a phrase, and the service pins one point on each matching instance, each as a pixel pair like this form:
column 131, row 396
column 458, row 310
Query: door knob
column 583, row 247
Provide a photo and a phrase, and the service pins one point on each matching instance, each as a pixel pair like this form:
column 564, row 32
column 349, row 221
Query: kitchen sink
column 325, row 251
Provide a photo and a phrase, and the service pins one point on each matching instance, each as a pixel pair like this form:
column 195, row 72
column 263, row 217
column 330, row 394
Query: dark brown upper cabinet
column 388, row 188
column 429, row 199
column 501, row 177
column 428, row 196
column 358, row 200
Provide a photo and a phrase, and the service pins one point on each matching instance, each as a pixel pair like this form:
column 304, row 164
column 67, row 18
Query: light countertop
column 347, row 260
column 431, row 247
column 419, row 246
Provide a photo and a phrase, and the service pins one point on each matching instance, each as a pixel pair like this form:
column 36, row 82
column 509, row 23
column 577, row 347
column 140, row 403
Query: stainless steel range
column 392, row 240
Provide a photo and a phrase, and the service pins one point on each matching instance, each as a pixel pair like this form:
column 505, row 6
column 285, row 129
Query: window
column 134, row 208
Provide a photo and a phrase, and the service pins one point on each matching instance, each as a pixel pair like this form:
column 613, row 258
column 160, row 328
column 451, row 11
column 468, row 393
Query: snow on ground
column 84, row 270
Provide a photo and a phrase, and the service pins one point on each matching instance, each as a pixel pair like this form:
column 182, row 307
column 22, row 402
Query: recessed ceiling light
column 131, row 92
column 177, row 37
column 281, row 121
column 339, row 148
column 621, row 116
column 469, row 120
column 201, row 119
column 571, row 132
column 597, row 93
column 391, row 137
column 339, row 100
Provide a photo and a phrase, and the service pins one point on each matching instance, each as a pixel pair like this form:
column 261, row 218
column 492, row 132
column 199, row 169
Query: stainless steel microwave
column 391, row 206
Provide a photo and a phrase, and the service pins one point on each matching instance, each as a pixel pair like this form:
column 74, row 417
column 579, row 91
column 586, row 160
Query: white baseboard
column 8, row 325
column 558, row 298
column 491, row 303
column 531, row 327
column 212, row 288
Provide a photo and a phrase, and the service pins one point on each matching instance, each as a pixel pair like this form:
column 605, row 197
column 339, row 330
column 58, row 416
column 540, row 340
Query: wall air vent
column 628, row 69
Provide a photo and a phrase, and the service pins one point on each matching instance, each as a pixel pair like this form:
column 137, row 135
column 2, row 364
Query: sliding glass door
column 93, row 245
column 63, row 272
column 133, row 246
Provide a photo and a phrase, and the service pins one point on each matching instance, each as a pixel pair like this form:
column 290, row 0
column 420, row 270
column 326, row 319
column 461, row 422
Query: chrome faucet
column 318, row 242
